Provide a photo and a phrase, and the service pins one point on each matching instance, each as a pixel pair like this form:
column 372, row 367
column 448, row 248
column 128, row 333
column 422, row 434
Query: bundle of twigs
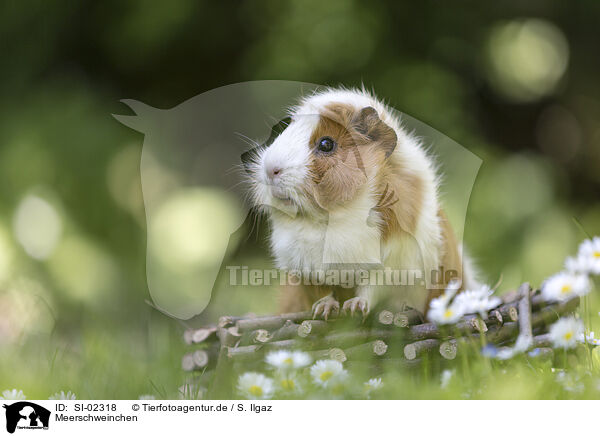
column 403, row 338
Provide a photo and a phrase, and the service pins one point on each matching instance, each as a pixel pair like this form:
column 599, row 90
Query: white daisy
column 255, row 386
column 326, row 373
column 564, row 286
column 577, row 265
column 441, row 311
column 565, row 332
column 147, row 397
column 13, row 395
column 570, row 382
column 373, row 384
column 479, row 300
column 285, row 360
column 287, row 383
column 450, row 292
column 446, row 377
column 589, row 254
column 588, row 339
column 63, row 396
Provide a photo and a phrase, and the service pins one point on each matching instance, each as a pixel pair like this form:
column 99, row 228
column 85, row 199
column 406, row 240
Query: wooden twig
column 385, row 317
column 227, row 321
column 417, row 349
column 471, row 324
column 259, row 336
column 407, row 318
column 350, row 338
column 337, row 354
column 368, row 350
column 200, row 335
column 229, row 336
column 311, row 327
column 551, row 313
column 187, row 363
column 448, row 349
column 271, row 322
column 508, row 311
column 378, row 366
column 542, row 341
column 288, row 330
column 539, row 318
column 332, row 353
column 247, row 352
column 525, row 327
column 495, row 317
column 200, row 359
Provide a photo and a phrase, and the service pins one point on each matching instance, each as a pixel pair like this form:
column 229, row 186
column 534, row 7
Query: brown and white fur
column 378, row 173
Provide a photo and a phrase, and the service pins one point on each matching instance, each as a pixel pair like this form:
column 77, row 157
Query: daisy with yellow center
column 587, row 260
column 255, row 391
column 285, row 360
column 255, row 386
column 288, row 383
column 589, row 338
column 565, row 332
column 477, row 300
column 372, row 385
column 441, row 310
column 327, row 373
column 564, row 286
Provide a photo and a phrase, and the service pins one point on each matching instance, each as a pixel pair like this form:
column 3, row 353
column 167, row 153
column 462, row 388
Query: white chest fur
column 346, row 237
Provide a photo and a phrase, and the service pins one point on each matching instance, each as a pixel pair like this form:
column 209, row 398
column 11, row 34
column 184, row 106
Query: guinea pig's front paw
column 326, row 306
column 356, row 304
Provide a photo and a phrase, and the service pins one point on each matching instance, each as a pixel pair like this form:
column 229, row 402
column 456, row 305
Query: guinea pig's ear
column 249, row 157
column 368, row 123
column 277, row 130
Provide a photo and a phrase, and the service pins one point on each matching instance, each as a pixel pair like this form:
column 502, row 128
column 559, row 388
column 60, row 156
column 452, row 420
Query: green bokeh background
column 516, row 84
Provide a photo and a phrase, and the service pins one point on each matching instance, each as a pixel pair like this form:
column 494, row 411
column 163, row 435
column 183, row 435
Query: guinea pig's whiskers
column 246, row 139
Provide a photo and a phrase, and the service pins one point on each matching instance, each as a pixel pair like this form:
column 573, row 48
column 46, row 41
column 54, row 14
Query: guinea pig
column 346, row 187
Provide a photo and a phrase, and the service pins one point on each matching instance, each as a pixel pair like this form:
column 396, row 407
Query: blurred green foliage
column 517, row 85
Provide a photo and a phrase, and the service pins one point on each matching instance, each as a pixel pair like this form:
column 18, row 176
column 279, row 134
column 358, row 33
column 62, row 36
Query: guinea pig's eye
column 326, row 145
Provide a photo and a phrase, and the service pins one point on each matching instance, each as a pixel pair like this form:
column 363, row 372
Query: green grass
column 98, row 362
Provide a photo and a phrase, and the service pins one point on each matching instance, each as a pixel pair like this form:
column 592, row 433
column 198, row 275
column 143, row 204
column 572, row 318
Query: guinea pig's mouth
column 283, row 198
column 281, row 195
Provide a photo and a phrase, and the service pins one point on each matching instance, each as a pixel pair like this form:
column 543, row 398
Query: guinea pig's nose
column 273, row 171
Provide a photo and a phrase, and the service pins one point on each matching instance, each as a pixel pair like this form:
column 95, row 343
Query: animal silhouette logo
column 26, row 415
column 195, row 188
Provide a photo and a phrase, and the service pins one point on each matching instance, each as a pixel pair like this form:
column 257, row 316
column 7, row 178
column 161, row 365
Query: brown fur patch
column 400, row 201
column 363, row 143
column 451, row 259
